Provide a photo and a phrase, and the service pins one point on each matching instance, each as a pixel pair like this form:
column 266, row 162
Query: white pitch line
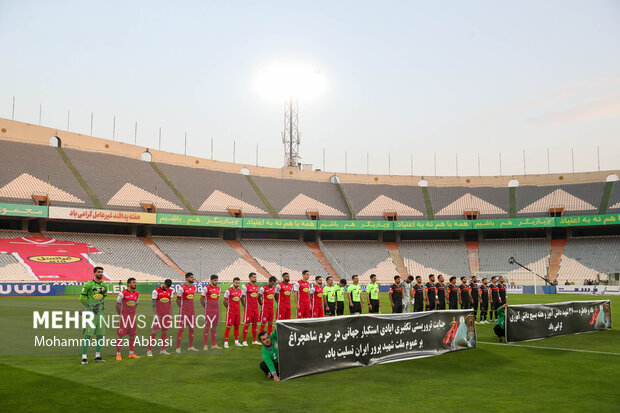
column 552, row 348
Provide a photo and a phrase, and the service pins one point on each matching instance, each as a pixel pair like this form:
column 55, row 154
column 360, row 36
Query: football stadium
column 139, row 278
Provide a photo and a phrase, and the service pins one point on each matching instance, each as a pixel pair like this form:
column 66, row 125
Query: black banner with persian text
column 317, row 345
column 532, row 321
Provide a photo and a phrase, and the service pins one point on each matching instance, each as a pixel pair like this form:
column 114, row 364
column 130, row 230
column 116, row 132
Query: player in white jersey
column 407, row 285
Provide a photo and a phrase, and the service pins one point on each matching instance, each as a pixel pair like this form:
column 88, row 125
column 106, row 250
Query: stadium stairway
column 473, row 256
column 91, row 194
column 243, row 253
column 427, row 202
column 174, row 189
column 161, row 255
column 557, row 250
column 262, row 196
column 602, row 209
column 346, row 201
column 330, row 259
column 392, row 248
column 318, row 253
column 512, row 196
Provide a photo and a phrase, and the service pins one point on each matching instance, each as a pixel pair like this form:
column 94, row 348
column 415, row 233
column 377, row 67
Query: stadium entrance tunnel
column 55, row 142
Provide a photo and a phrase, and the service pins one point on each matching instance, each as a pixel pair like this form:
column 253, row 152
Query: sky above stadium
column 403, row 79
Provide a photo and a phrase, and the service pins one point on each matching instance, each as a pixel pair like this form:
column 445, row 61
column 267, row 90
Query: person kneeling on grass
column 270, row 354
column 500, row 326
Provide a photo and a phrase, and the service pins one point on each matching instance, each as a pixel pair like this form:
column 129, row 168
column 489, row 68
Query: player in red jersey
column 210, row 302
column 267, row 293
column 232, row 302
column 316, row 292
column 283, row 297
column 185, row 301
column 162, row 319
column 126, row 304
column 251, row 300
column 302, row 296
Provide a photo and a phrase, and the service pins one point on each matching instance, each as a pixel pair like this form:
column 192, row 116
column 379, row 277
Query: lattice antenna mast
column 291, row 135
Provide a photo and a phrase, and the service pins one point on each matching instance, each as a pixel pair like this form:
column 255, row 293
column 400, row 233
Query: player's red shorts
column 284, row 313
column 317, row 311
column 188, row 319
column 163, row 321
column 233, row 318
column 267, row 315
column 252, row 315
column 127, row 326
column 304, row 311
column 212, row 316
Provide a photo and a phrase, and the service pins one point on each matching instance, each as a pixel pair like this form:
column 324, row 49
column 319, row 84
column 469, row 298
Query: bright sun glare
column 282, row 81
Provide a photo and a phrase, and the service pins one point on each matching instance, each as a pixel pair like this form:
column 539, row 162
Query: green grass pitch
column 490, row 378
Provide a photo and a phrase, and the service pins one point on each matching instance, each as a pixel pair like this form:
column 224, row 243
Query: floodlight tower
column 291, row 135
column 290, row 82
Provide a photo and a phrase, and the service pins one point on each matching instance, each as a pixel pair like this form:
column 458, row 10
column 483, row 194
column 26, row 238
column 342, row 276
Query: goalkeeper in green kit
column 269, row 365
column 92, row 297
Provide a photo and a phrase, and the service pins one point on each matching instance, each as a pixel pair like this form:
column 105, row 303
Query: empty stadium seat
column 576, row 199
column 452, row 202
column 531, row 252
column 362, row 258
column 291, row 198
column 278, row 256
column 27, row 169
column 589, row 258
column 122, row 256
column 206, row 256
column 212, row 192
column 12, row 271
column 123, row 183
column 371, row 201
column 443, row 257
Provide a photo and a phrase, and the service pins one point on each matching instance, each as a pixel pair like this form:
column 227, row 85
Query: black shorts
column 356, row 307
column 418, row 306
column 495, row 305
column 430, row 306
column 465, row 305
column 484, row 305
column 397, row 308
column 441, row 305
column 265, row 369
column 454, row 306
column 339, row 307
column 374, row 306
column 475, row 305
column 331, row 308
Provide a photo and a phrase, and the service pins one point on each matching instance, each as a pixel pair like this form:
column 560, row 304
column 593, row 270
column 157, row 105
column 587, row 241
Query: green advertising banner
column 16, row 210
column 20, row 210
column 269, row 223
column 199, row 221
column 455, row 224
column 513, row 223
column 588, row 220
column 356, row 225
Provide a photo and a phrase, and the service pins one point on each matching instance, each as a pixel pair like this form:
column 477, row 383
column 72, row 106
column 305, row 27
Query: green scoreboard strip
column 32, row 211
